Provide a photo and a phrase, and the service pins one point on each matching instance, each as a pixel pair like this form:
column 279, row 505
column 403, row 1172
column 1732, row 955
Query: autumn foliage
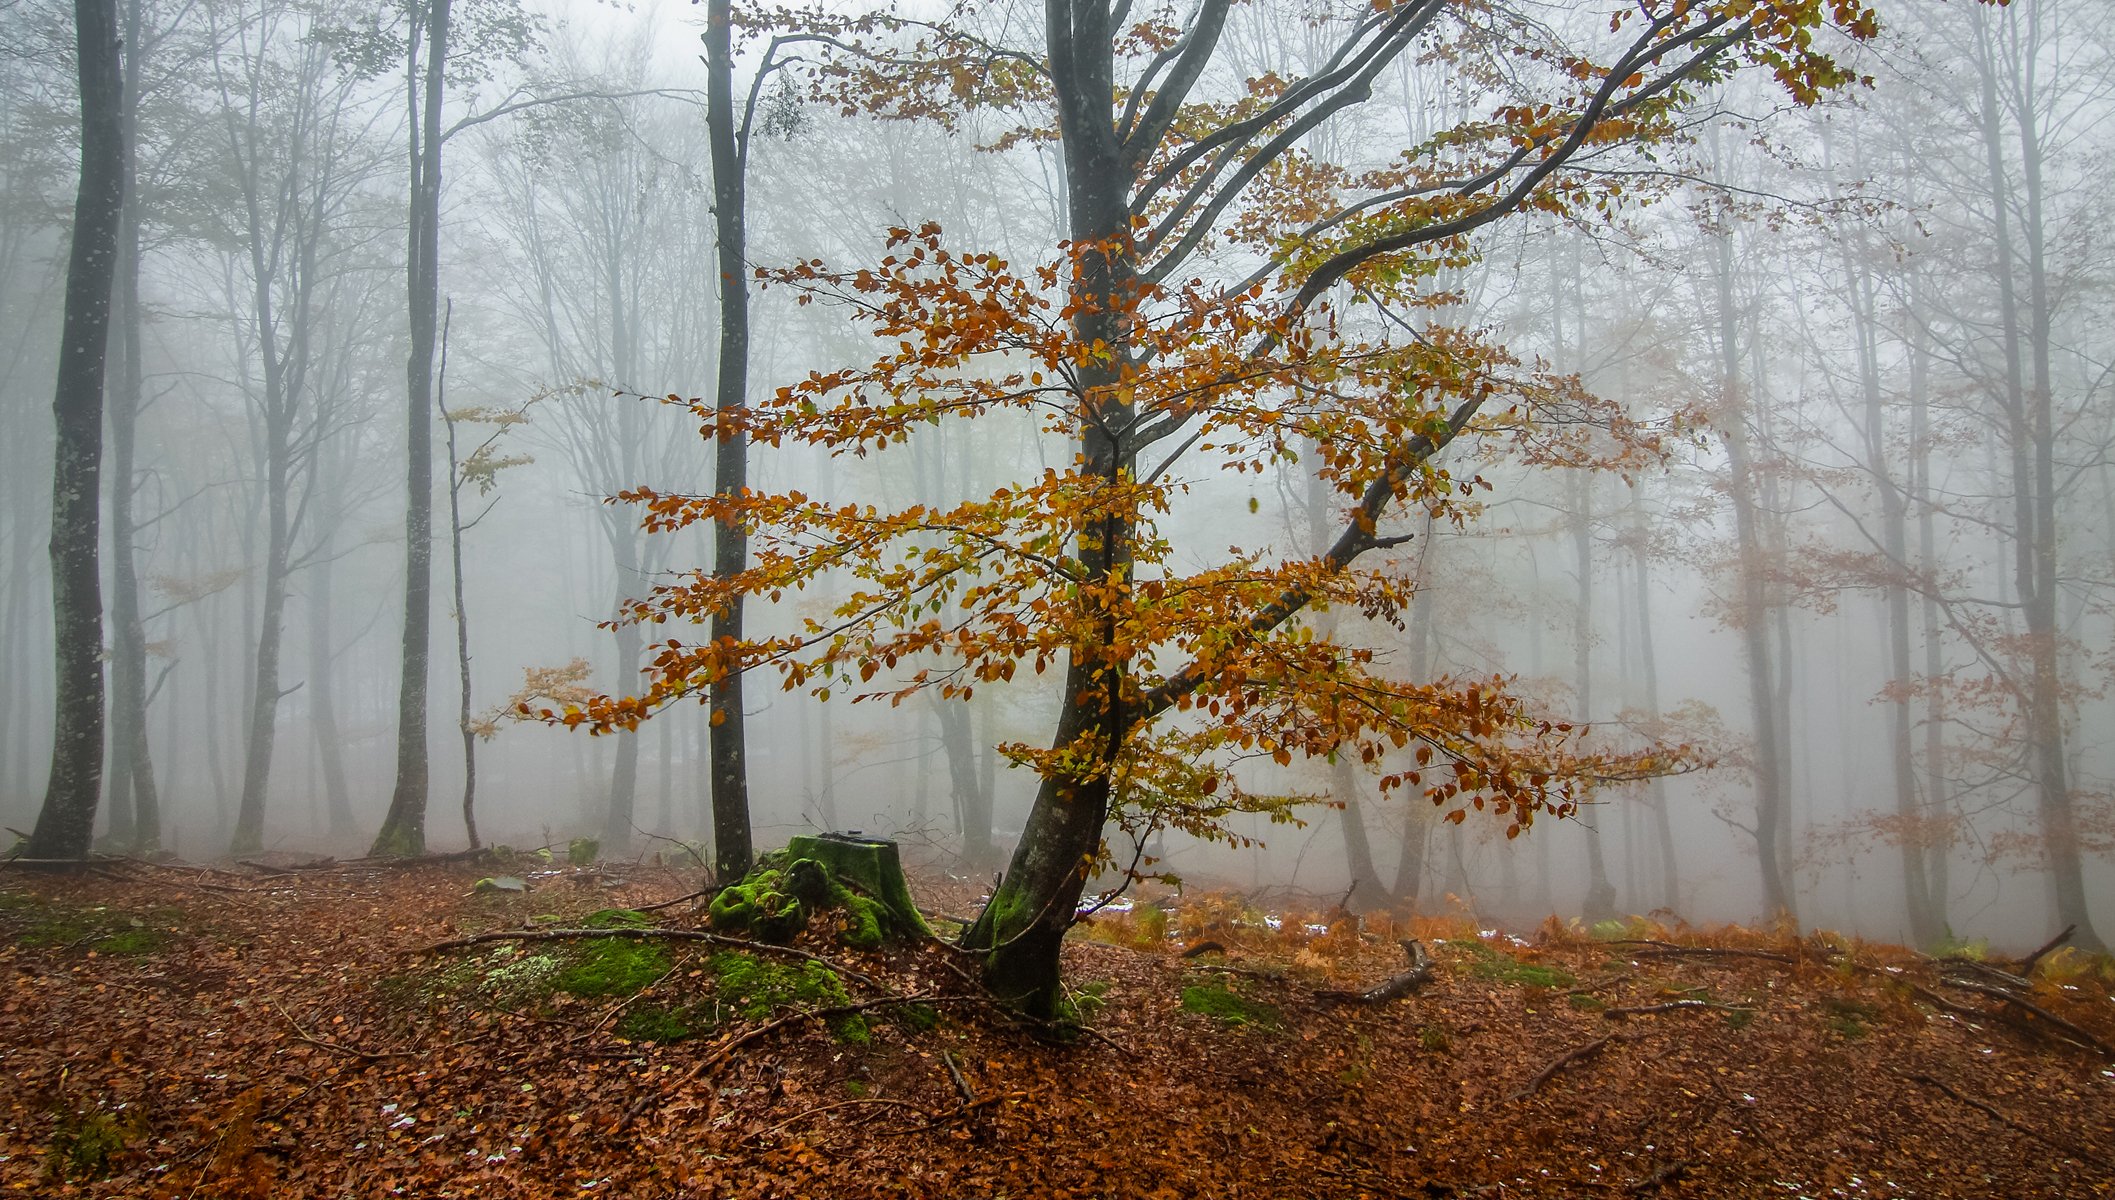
column 1227, row 302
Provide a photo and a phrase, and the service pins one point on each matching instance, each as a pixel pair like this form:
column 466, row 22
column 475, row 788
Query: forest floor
column 240, row 1032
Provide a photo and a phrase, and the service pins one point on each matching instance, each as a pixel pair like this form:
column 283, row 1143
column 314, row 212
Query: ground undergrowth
column 365, row 1030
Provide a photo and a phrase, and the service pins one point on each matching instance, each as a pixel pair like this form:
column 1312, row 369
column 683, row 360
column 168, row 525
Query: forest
column 1338, row 598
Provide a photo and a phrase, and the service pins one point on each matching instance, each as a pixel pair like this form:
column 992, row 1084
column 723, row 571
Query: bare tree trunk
column 1662, row 825
column 732, row 851
column 404, row 828
column 1754, row 613
column 135, row 816
column 66, row 823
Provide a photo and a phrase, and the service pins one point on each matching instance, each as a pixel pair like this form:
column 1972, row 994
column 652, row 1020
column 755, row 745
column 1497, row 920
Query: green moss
column 1487, row 963
column 1228, row 1007
column 102, row 930
column 1588, row 1003
column 582, row 852
column 1848, row 1019
column 755, row 989
column 866, row 921
column 1436, row 1038
column 132, row 941
column 761, row 905
column 612, row 967
column 649, row 1023
column 1080, row 1005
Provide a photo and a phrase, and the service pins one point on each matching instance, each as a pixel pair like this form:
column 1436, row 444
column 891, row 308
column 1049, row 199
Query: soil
column 194, row 1032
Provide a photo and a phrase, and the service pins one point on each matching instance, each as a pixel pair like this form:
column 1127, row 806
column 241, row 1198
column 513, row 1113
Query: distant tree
column 1307, row 332
column 67, row 821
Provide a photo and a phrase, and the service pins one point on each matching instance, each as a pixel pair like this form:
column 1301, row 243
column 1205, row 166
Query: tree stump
column 869, row 865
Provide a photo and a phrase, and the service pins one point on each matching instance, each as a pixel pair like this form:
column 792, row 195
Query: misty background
column 1877, row 332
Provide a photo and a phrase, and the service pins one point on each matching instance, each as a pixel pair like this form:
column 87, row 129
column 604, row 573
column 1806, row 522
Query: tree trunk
column 1662, row 824
column 404, row 829
column 66, row 823
column 1754, row 612
column 732, row 851
column 323, row 699
column 135, row 816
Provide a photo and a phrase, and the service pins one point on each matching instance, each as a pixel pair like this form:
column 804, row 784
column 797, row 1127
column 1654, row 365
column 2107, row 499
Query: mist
column 1823, row 509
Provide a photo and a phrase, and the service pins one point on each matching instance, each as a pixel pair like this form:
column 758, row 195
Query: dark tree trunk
column 730, row 542
column 404, row 829
column 66, row 823
column 135, row 808
column 1024, row 923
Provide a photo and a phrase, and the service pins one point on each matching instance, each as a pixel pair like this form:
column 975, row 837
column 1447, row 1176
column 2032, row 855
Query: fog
column 1856, row 560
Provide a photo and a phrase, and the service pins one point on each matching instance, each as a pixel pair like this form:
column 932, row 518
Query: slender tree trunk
column 323, row 698
column 1662, row 824
column 135, row 816
column 264, row 691
column 462, row 607
column 1925, row 926
column 1754, row 613
column 732, row 850
column 66, row 823
column 404, row 828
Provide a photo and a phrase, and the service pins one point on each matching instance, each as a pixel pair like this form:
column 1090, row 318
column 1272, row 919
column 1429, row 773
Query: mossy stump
column 862, row 876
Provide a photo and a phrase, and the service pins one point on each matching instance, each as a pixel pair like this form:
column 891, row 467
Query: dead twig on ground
column 1991, row 1111
column 1660, row 949
column 1419, row 974
column 2027, row 964
column 2074, row 1032
column 954, row 1072
column 1574, row 1055
column 1671, row 1006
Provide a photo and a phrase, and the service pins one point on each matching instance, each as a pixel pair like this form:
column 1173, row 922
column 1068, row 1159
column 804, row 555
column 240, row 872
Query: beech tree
column 67, row 820
column 1223, row 298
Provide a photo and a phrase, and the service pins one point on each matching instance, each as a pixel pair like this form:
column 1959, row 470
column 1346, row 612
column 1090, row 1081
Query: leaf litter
column 292, row 1034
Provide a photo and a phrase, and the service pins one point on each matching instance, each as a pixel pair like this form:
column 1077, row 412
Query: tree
column 495, row 30
column 1121, row 344
column 67, row 821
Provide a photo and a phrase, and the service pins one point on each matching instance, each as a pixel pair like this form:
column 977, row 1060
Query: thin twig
column 1573, row 1055
column 2007, row 1122
column 1671, row 1006
column 2082, row 1036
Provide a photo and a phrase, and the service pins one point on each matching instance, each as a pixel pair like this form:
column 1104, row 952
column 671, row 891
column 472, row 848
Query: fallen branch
column 336, row 1047
column 815, row 1014
column 1573, row 1055
column 954, row 1072
column 645, row 934
column 2007, row 1122
column 1419, row 974
column 1671, row 1006
column 2027, row 963
column 2084, row 1037
column 797, row 1118
column 1659, row 949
